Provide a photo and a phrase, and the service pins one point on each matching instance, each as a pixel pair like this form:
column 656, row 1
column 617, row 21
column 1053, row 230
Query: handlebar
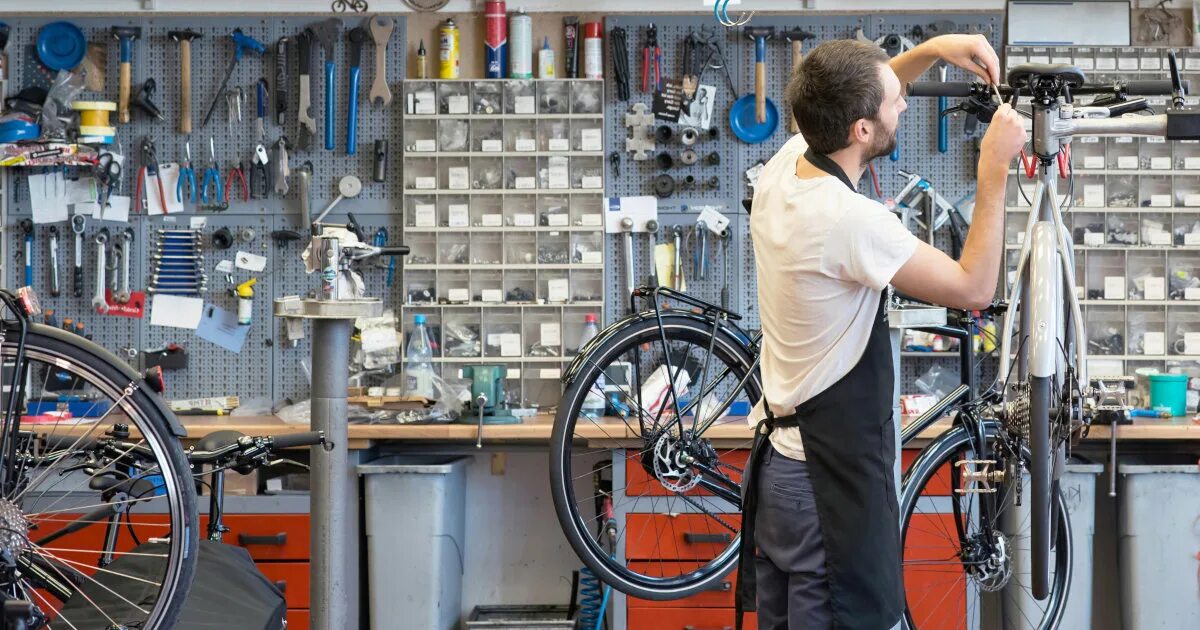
column 964, row 89
column 246, row 448
column 293, row 440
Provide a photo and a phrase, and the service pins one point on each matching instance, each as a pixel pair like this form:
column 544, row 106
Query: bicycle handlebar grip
column 940, row 88
column 1150, row 88
column 293, row 440
column 394, row 250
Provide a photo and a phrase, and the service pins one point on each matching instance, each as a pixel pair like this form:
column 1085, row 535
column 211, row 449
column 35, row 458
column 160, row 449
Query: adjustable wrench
column 55, row 288
column 98, row 301
column 124, row 239
column 78, row 222
column 305, row 43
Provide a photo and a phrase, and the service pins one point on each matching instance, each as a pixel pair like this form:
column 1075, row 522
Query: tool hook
column 721, row 12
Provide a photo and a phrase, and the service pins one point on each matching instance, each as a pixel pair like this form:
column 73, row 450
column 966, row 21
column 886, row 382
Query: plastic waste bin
column 1159, row 529
column 415, row 522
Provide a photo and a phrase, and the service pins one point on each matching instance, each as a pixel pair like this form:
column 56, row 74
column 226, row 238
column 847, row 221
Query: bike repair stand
column 332, row 321
column 1112, row 408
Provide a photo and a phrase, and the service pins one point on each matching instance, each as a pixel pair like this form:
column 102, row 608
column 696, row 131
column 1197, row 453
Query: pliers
column 651, row 52
column 236, row 174
column 188, row 174
column 149, row 169
column 212, row 176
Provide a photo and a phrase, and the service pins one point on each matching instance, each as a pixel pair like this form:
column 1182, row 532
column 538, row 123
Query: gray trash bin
column 415, row 522
column 1159, row 538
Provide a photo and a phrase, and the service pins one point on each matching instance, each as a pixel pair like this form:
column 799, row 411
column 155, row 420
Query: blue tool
column 357, row 37
column 188, row 174
column 125, row 35
column 326, row 33
column 61, row 46
column 27, row 227
column 943, row 104
column 212, row 176
column 241, row 43
column 381, row 238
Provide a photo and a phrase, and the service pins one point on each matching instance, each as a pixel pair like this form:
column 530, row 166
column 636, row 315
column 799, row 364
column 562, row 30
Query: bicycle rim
column 74, row 468
column 948, row 580
column 641, row 518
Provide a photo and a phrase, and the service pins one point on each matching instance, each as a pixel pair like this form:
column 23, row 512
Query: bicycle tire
column 612, row 571
column 153, row 420
column 1040, row 481
column 943, row 451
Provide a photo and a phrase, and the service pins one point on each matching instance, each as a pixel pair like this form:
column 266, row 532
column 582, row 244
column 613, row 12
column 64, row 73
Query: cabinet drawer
column 684, row 619
column 297, row 619
column 270, row 536
column 678, row 537
column 638, row 482
column 938, row 486
column 720, row 596
column 291, row 578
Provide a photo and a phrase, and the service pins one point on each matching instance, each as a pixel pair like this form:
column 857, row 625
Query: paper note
column 197, row 223
column 1093, row 162
column 551, row 333
column 1191, row 343
column 1154, row 343
column 425, row 145
column 510, row 345
column 557, row 219
column 424, row 215
column 559, row 144
column 82, row 190
column 639, row 209
column 1160, row 201
column 1093, row 195
column 456, row 104
column 117, row 210
column 458, row 295
column 460, row 215
column 425, row 183
column 592, row 219
column 592, row 181
column 176, row 311
column 549, row 373
column 525, row 182
column 523, row 105
column 1155, row 288
column 591, row 140
column 1191, row 293
column 1161, row 163
column 459, row 178
column 492, row 295
column 491, row 145
column 1127, row 161
column 48, row 197
column 557, row 290
column 221, row 327
column 492, row 220
column 558, row 172
column 1093, row 239
column 526, row 144
column 250, row 262
column 523, row 219
column 1191, row 238
column 1114, row 287
column 225, row 266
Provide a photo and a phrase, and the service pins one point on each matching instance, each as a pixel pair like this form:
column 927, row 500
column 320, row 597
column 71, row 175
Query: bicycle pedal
column 981, row 472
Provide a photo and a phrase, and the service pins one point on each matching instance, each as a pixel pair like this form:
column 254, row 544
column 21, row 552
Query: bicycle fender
column 1045, row 286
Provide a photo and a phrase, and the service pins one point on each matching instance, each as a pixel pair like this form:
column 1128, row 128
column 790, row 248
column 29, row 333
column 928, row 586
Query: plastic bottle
column 594, row 403
column 546, row 60
column 419, row 370
column 520, row 46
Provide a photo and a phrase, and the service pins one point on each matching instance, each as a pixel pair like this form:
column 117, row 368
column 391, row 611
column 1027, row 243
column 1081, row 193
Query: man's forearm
column 909, row 66
column 983, row 251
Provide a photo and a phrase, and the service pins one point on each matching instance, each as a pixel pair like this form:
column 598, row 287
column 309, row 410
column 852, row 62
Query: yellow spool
column 94, row 113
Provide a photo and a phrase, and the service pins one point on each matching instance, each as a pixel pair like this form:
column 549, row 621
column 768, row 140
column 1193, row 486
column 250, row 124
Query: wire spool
column 93, row 120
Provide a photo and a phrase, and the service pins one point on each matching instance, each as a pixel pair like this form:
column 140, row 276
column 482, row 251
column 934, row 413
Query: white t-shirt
column 823, row 254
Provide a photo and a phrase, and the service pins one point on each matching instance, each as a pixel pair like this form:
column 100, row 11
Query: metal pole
column 331, row 352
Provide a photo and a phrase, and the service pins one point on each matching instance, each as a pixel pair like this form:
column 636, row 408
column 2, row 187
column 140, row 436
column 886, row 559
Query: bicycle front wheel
column 98, row 507
column 645, row 477
column 966, row 552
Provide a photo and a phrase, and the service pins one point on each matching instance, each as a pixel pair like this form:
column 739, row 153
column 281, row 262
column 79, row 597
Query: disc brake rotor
column 670, row 467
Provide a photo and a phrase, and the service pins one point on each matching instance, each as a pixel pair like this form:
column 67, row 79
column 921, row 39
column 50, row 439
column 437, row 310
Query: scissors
column 108, row 174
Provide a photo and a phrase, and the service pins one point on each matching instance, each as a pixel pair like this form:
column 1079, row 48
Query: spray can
column 521, row 44
column 448, row 50
column 245, row 294
column 546, row 60
column 593, row 51
column 495, row 39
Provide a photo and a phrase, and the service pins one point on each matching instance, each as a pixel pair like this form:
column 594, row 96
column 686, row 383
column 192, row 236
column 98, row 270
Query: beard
column 881, row 148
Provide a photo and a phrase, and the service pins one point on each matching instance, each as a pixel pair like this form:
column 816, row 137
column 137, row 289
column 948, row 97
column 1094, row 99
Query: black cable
column 620, row 57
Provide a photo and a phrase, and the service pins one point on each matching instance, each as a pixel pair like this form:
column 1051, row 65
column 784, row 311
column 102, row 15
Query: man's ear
column 860, row 130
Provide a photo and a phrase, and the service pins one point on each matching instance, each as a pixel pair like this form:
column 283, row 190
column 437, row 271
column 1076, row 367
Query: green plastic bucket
column 1169, row 392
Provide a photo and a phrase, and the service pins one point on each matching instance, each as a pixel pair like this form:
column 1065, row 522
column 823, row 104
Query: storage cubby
column 1105, row 330
column 1147, row 330
column 1147, row 278
column 1123, row 153
column 1106, row 275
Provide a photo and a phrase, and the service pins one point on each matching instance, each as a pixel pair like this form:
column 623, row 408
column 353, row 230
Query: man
column 821, row 503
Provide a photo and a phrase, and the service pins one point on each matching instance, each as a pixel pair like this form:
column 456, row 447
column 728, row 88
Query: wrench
column 627, row 235
column 281, row 167
column 677, row 231
column 306, row 43
column 125, row 239
column 98, row 301
column 27, row 228
column 55, row 289
column 381, row 31
column 78, row 222
column 702, row 228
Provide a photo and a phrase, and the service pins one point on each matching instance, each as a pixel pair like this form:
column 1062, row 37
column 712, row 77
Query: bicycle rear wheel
column 651, row 502
column 966, row 554
column 91, row 469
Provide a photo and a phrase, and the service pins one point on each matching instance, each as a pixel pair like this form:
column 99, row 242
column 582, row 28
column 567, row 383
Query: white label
column 1191, row 63
column 550, row 373
column 523, row 105
column 1155, row 139
column 592, row 181
column 225, row 266
column 425, row 146
column 1191, row 163
column 1061, row 60
column 1191, row 238
column 510, row 345
column 1088, row 139
column 491, row 146
column 1114, row 287
column 197, row 223
column 558, row 173
column 1093, row 195
column 1106, row 63
column 523, row 220
column 492, row 295
column 1191, row 343
column 1151, row 63
column 1160, row 201
column 1154, row 343
column 492, row 220
column 1127, row 161
column 592, row 258
column 426, row 182
column 1085, row 63
column 1156, row 288
column 557, row 290
column 591, row 140
column 1191, row 200
column 1123, row 139
column 250, row 262
column 1191, row 293
column 423, row 103
column 559, row 144
column 526, row 144
column 1016, row 60
column 1159, row 237
column 456, row 104
column 425, row 215
column 551, row 334
column 512, row 373
column 1157, row 101
column 1093, row 239
column 557, row 219
column 458, row 295
column 1039, row 58
column 460, row 215
column 1127, row 63
column 525, row 182
column 1093, row 161
column 592, row 219
column 1160, row 163
column 459, row 178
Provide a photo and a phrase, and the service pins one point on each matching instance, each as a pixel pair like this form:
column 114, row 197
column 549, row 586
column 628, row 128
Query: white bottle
column 546, row 60
column 594, row 403
column 419, row 369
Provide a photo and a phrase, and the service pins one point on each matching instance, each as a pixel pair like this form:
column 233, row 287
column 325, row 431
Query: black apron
column 850, row 450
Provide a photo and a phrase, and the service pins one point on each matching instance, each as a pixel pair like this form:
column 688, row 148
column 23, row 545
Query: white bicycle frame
column 1046, row 266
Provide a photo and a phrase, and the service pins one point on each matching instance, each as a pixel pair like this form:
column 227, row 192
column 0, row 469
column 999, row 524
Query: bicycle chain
column 710, row 514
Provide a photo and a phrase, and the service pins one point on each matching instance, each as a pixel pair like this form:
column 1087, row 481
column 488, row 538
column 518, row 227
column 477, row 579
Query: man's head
column 843, row 95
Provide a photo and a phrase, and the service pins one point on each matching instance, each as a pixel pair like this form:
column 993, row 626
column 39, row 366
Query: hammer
column 796, row 36
column 185, row 38
column 125, row 35
column 760, row 35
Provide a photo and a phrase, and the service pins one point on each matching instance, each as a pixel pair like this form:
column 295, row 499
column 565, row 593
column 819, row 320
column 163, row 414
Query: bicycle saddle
column 1022, row 75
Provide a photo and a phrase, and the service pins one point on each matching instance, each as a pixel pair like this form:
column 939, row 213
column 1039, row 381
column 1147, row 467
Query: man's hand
column 972, row 53
column 1004, row 139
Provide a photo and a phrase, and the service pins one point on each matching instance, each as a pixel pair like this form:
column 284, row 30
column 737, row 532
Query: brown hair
column 836, row 84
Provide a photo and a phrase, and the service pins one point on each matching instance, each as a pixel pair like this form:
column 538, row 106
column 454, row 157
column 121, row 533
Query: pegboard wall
column 267, row 367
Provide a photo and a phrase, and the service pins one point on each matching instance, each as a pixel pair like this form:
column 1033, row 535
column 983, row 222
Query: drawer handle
column 277, row 540
column 695, row 628
column 723, row 587
column 281, row 585
column 693, row 538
